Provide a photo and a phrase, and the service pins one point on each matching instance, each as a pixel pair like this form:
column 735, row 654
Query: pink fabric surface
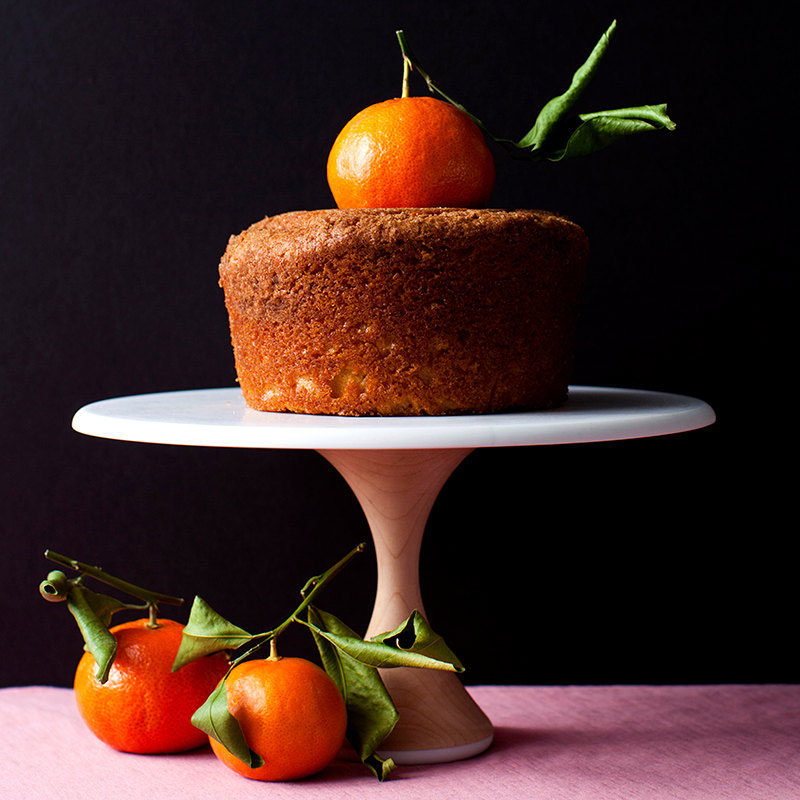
column 554, row 743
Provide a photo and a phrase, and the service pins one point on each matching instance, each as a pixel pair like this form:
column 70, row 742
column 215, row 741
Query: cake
column 407, row 311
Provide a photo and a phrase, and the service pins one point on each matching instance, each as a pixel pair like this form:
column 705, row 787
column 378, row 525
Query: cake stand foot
column 439, row 721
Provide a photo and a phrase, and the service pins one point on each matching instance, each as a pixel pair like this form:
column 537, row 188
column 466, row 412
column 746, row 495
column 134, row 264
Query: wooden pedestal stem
column 396, row 490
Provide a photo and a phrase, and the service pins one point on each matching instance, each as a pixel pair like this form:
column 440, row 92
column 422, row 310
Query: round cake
column 406, row 311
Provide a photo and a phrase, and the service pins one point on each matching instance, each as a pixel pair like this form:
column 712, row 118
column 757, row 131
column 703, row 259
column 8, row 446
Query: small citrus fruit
column 144, row 707
column 410, row 152
column 291, row 714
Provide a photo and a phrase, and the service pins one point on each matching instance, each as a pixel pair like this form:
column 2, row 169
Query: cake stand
column 396, row 467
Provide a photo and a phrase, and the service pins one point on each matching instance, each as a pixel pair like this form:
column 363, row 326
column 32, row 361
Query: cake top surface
column 393, row 226
column 307, row 240
column 490, row 217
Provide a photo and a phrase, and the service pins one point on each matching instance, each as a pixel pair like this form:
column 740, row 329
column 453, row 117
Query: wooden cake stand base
column 439, row 721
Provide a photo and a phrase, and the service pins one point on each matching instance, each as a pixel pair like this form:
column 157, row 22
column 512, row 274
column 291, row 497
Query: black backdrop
column 136, row 137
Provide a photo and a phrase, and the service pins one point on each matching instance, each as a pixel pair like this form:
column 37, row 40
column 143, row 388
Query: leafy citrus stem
column 151, row 598
column 411, row 62
column 312, row 587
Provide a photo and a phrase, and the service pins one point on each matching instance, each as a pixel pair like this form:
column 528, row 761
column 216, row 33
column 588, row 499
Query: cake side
column 404, row 311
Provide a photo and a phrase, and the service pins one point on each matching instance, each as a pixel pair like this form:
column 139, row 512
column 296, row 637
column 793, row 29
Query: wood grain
column 396, row 490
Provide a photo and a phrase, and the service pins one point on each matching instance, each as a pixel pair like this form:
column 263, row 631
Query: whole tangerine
column 411, row 152
column 144, row 707
column 291, row 714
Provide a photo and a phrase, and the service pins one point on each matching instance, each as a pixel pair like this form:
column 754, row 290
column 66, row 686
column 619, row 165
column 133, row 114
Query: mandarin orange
column 291, row 714
column 144, row 707
column 411, row 152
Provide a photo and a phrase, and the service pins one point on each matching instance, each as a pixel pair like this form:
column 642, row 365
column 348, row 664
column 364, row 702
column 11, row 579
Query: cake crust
column 404, row 311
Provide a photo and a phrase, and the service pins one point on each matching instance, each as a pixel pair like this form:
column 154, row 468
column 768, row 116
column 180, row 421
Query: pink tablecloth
column 575, row 743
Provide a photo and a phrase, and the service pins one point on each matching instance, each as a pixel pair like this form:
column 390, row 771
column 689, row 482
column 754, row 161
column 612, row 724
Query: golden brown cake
column 404, row 311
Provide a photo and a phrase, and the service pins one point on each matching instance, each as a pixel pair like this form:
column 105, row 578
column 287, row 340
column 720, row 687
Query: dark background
column 136, row 137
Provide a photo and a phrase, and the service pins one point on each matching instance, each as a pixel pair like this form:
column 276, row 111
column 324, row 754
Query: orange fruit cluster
column 291, row 713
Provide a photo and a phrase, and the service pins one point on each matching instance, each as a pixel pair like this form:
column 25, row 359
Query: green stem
column 407, row 63
column 151, row 598
column 244, row 656
column 312, row 587
column 411, row 60
column 153, row 610
column 315, row 584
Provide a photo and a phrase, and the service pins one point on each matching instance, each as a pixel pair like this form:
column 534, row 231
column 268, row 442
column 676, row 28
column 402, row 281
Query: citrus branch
column 312, row 587
column 559, row 132
column 151, row 598
column 410, row 60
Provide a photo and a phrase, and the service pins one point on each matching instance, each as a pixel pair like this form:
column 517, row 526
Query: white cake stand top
column 220, row 418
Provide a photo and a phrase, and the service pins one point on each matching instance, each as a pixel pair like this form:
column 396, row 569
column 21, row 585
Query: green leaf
column 103, row 605
column 595, row 131
column 382, row 656
column 558, row 109
column 99, row 642
column 415, row 635
column 371, row 714
column 205, row 633
column 214, row 719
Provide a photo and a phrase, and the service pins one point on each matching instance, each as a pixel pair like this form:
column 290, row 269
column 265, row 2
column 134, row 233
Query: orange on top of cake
column 410, row 152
